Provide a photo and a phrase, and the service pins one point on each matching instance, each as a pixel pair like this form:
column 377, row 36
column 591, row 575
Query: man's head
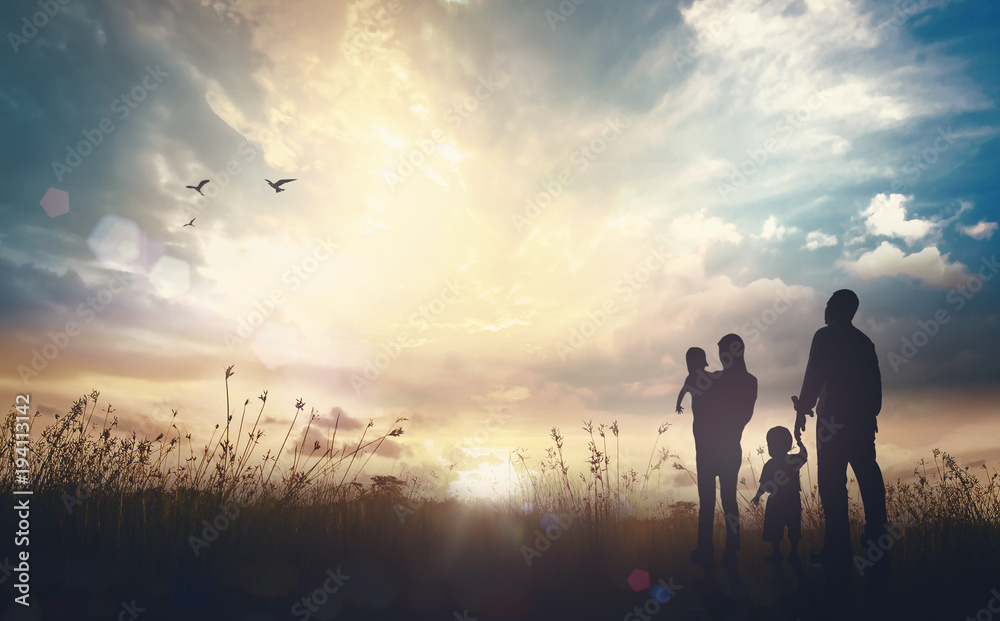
column 841, row 307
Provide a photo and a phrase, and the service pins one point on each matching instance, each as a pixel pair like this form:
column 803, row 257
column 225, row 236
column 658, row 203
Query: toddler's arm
column 680, row 397
column 760, row 492
column 802, row 452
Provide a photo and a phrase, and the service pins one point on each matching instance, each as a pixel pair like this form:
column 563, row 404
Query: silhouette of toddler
column 780, row 479
column 697, row 362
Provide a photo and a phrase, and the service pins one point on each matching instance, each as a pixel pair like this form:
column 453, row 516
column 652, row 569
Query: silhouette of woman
column 727, row 405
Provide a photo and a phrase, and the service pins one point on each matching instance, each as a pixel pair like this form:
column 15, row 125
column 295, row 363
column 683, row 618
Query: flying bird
column 197, row 188
column 277, row 184
column 191, row 223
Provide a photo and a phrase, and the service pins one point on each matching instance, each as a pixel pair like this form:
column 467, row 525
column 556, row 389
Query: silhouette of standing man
column 843, row 374
column 728, row 405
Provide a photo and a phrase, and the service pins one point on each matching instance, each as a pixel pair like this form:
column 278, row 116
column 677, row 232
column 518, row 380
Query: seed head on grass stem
column 299, row 404
column 242, row 462
column 662, row 430
column 229, row 416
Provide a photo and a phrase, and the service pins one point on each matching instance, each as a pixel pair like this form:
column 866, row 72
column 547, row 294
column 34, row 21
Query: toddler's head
column 696, row 359
column 779, row 441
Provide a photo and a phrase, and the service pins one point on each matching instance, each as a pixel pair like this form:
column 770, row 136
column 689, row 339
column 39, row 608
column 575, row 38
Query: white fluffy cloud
column 886, row 215
column 929, row 266
column 701, row 230
column 983, row 230
column 772, row 230
column 819, row 239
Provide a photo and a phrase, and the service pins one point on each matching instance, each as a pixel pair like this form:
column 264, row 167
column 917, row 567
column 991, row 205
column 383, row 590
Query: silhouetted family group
column 842, row 376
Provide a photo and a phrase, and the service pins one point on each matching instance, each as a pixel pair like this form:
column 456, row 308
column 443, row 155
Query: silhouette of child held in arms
column 780, row 478
column 697, row 362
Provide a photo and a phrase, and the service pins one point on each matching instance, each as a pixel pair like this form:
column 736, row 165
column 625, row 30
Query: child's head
column 696, row 359
column 779, row 441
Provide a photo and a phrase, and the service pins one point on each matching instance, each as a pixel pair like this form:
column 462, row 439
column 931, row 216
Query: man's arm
column 877, row 379
column 800, row 419
column 815, row 375
column 812, row 383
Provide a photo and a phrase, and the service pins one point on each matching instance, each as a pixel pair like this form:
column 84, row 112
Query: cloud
column 818, row 239
column 696, row 227
column 929, row 266
column 515, row 393
column 338, row 419
column 469, row 458
column 886, row 215
column 983, row 230
column 774, row 231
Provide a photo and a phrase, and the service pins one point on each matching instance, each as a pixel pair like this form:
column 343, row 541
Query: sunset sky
column 529, row 205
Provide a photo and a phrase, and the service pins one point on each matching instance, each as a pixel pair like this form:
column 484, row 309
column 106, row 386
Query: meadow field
column 123, row 527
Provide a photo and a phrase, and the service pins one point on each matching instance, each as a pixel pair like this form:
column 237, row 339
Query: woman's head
column 731, row 350
column 696, row 359
column 779, row 441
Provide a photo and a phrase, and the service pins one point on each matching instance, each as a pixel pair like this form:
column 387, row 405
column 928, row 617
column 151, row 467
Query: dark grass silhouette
column 410, row 555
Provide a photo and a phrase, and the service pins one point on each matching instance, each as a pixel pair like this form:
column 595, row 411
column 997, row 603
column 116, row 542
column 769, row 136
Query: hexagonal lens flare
column 276, row 345
column 55, row 202
column 170, row 277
